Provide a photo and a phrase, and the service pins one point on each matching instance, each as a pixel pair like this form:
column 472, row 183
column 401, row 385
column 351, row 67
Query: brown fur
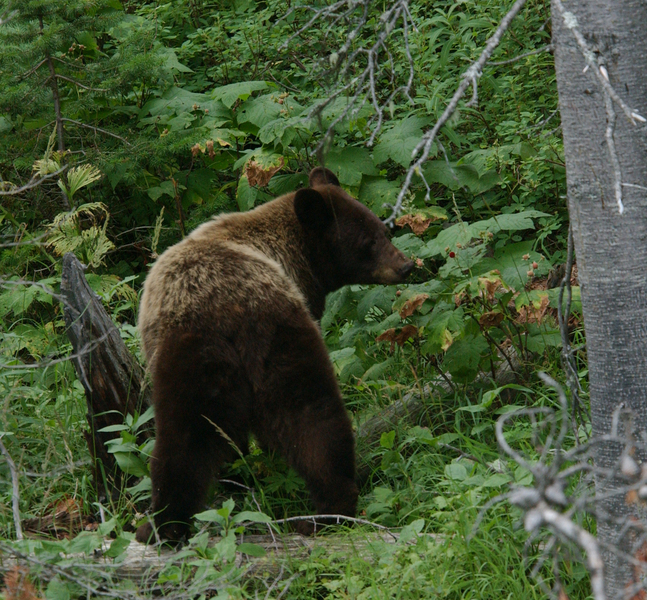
column 228, row 323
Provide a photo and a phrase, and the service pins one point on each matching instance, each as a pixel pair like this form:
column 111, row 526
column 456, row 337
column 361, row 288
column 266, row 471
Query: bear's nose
column 405, row 269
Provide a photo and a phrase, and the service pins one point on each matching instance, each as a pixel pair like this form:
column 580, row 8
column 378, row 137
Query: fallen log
column 113, row 380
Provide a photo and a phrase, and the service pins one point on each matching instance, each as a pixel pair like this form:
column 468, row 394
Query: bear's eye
column 368, row 243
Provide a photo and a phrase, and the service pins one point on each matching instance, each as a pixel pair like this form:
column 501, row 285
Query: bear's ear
column 322, row 176
column 313, row 210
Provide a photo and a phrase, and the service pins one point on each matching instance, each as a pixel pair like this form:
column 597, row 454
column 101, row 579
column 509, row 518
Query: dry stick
column 469, row 78
column 568, row 360
column 542, row 514
column 95, row 129
column 547, row 48
column 34, row 182
column 15, row 495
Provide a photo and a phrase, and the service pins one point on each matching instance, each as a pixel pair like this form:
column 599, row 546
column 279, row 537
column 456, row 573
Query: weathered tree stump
column 113, row 380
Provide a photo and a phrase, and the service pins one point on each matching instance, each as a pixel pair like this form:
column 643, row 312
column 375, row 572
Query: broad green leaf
column 398, row 142
column 131, row 463
column 379, row 296
column 456, row 471
column 512, row 265
column 165, row 187
column 260, row 110
column 410, row 244
column 387, row 439
column 172, row 62
column 541, row 337
column 198, row 185
column 576, row 299
column 245, row 195
column 375, row 192
column 349, row 164
column 209, row 516
column 251, row 516
column 118, row 546
column 454, row 176
column 252, row 549
column 463, row 357
column 377, row 371
column 284, row 184
column 497, row 480
column 229, row 94
column 58, row 590
column 462, row 233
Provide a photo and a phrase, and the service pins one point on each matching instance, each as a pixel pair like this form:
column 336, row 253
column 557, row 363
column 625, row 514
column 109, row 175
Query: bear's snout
column 405, row 269
column 395, row 268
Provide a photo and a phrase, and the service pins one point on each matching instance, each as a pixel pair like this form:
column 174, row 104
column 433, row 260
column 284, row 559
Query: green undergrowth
column 191, row 108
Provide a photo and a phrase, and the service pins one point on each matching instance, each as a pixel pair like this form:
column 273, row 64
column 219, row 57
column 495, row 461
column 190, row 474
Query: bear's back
column 208, row 278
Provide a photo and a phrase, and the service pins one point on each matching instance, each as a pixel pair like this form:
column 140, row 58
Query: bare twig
column 547, row 48
column 98, row 129
column 424, row 147
column 33, row 182
column 15, row 490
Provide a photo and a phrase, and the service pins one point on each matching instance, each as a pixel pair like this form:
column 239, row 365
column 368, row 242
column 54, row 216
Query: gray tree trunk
column 611, row 247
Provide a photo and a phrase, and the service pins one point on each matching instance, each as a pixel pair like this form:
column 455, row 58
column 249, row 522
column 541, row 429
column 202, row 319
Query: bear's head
column 346, row 241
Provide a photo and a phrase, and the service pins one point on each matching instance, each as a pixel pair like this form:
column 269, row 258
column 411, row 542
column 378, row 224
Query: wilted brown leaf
column 533, row 314
column 259, row 177
column 398, row 337
column 563, row 595
column 18, row 586
column 410, row 306
column 490, row 319
column 418, row 222
column 631, row 497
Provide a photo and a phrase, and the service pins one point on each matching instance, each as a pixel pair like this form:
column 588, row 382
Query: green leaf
column 497, row 480
column 512, row 265
column 245, row 195
column 377, row 297
column 456, row 471
column 455, row 175
column 462, row 233
column 349, row 164
column 113, row 428
column 172, row 62
column 58, row 590
column 375, row 192
column 229, row 94
column 259, row 111
column 387, row 439
column 252, row 517
column 118, row 546
column 165, row 187
column 210, row 516
column 399, row 142
column 252, row 549
column 131, row 464
column 463, row 357
column 377, row 371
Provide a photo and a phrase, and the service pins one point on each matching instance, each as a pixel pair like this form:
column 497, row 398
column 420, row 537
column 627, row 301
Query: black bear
column 228, row 320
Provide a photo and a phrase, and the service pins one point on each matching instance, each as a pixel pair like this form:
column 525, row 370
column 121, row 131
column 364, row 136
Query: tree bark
column 610, row 244
column 111, row 377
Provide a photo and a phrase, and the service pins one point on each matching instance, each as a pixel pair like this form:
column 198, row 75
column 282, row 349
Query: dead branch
column 113, row 380
column 15, row 490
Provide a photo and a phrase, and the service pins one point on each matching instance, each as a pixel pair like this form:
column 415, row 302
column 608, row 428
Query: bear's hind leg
column 190, row 395
column 303, row 416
